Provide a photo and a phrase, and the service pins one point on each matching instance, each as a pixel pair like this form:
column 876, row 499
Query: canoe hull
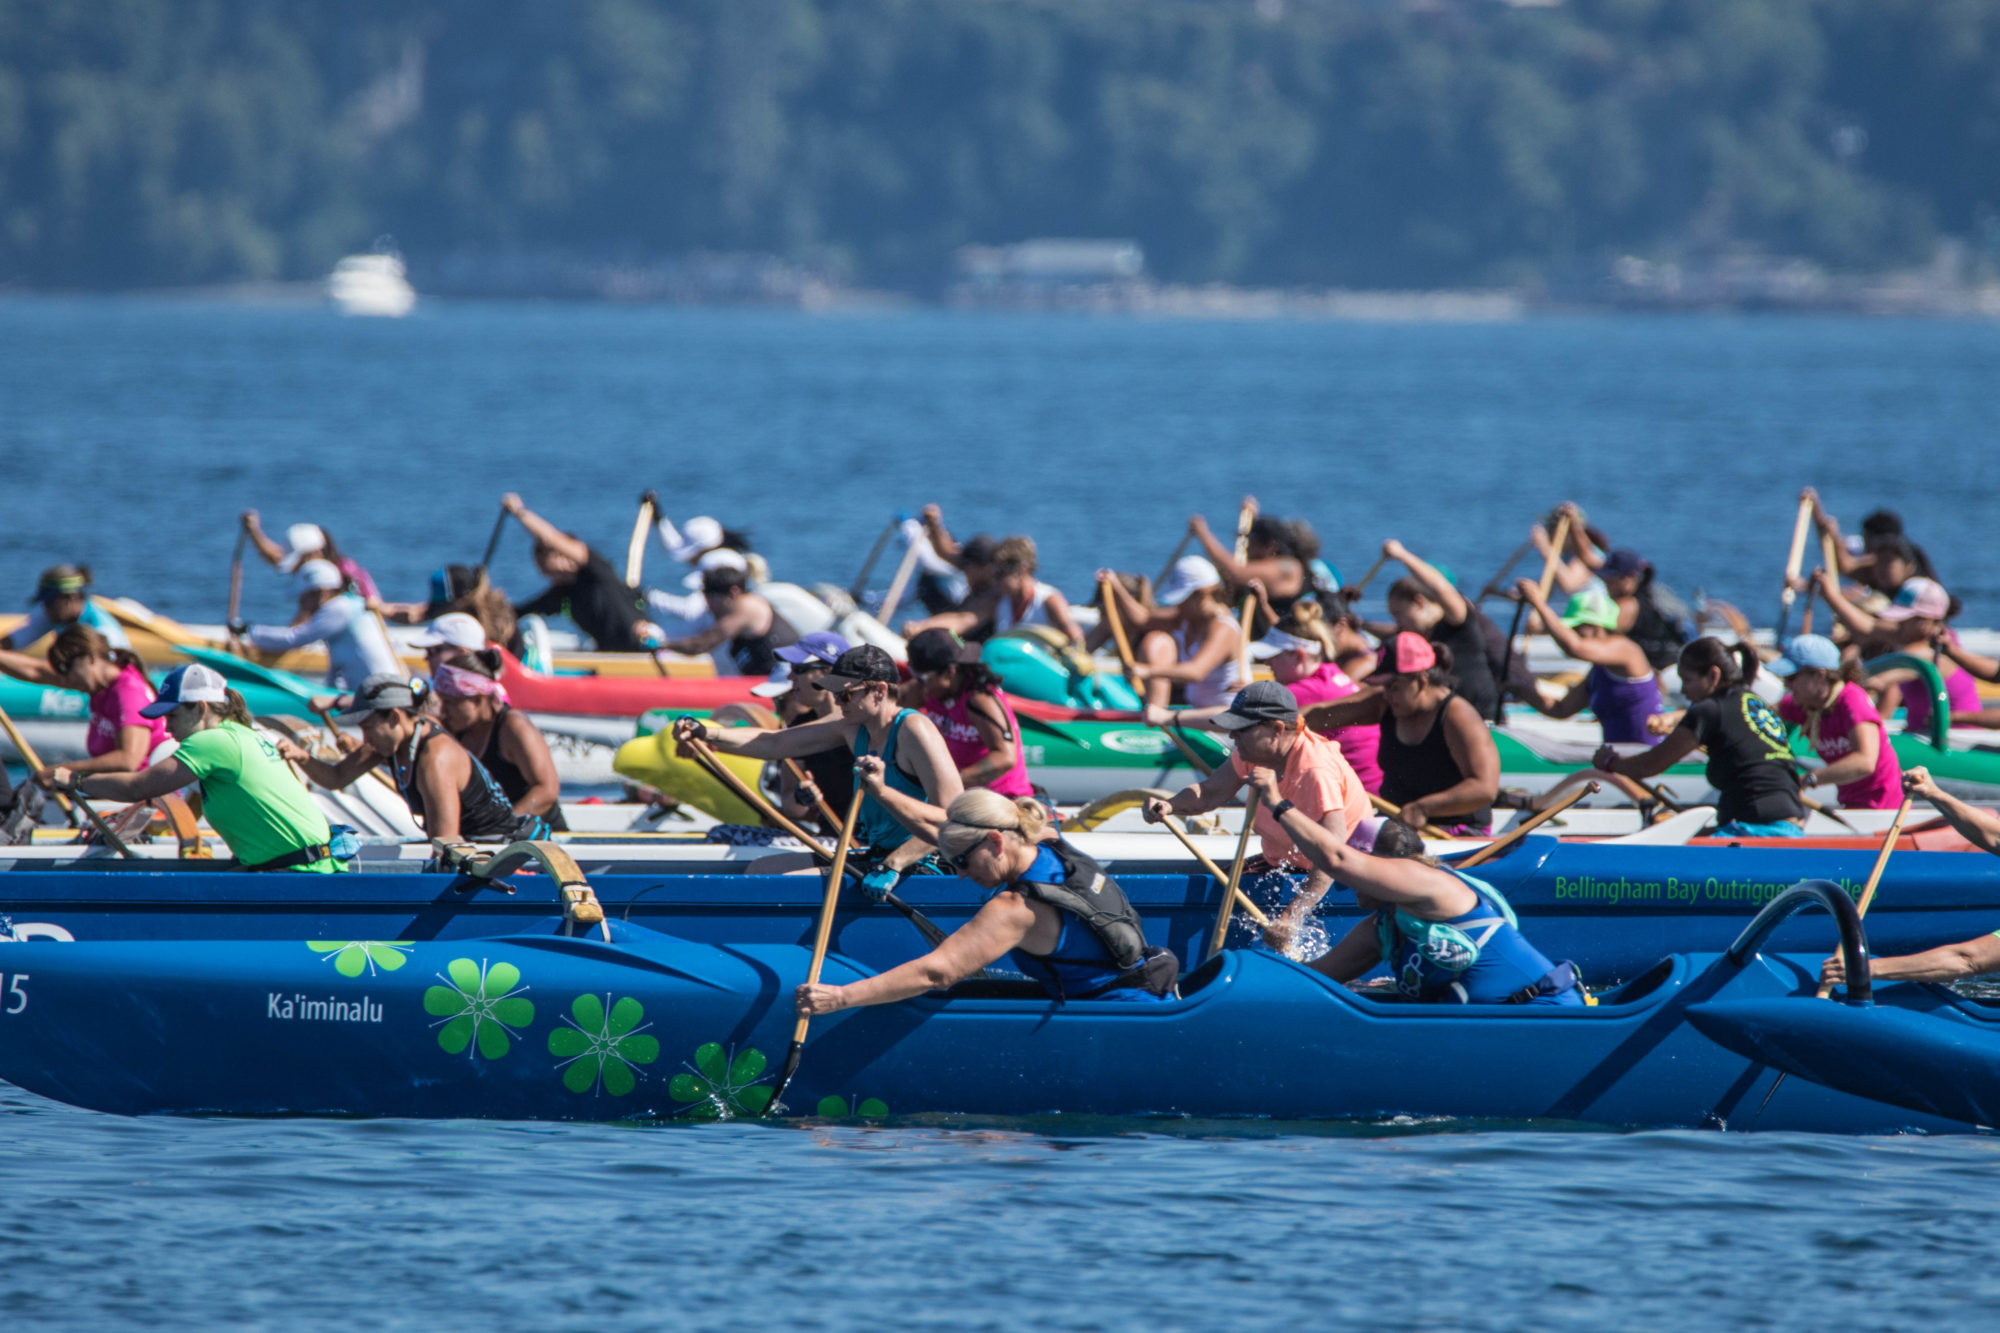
column 1920, row 1047
column 540, row 1026
column 1612, row 911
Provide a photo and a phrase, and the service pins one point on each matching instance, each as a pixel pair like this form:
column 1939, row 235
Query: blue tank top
column 875, row 828
column 1079, row 963
column 1502, row 964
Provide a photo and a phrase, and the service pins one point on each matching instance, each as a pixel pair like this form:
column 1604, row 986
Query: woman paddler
column 330, row 613
column 1976, row 957
column 1295, row 650
column 1439, row 763
column 1263, row 719
column 1620, row 688
column 120, row 737
column 744, row 632
column 1053, row 913
column 584, row 586
column 249, row 794
column 796, row 695
column 1277, row 552
column 1015, row 599
column 1188, row 637
column 1445, row 936
column 1427, row 603
column 448, row 790
column 1750, row 761
column 62, row 599
column 308, row 541
column 473, row 706
column 962, row 697
column 1841, row 723
column 870, row 720
column 1913, row 622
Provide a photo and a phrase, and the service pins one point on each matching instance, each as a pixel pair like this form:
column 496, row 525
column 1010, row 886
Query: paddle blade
column 790, row 1067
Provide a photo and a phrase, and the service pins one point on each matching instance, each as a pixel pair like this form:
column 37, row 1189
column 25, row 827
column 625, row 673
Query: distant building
column 1052, row 262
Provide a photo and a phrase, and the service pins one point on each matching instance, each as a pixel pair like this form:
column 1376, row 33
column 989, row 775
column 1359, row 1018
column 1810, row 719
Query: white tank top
column 1218, row 686
column 1036, row 614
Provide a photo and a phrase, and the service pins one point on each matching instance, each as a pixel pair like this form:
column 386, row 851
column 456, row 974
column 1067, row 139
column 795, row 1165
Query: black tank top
column 832, row 771
column 483, row 809
column 1470, row 665
column 513, row 782
column 757, row 654
column 1412, row 772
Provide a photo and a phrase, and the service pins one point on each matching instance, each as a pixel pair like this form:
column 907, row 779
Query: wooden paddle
column 1520, row 609
column 31, row 759
column 1174, row 559
column 236, row 577
column 1499, row 580
column 1231, row 889
column 1793, row 560
column 1525, row 827
column 799, row 779
column 1820, row 809
column 898, row 584
column 860, row 584
column 1556, row 548
column 1825, row 990
column 1214, row 871
column 1394, row 811
column 1360, row 585
column 493, row 543
column 1245, row 516
column 820, row 941
column 1112, row 618
column 754, row 798
column 104, row 830
column 635, row 549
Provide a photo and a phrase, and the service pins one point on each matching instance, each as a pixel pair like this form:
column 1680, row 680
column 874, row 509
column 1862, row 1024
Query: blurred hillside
column 1349, row 143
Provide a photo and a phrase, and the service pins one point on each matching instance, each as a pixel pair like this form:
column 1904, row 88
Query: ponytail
column 234, row 708
column 1737, row 664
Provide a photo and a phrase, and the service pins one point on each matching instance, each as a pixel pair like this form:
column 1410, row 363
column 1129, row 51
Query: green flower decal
column 598, row 1049
column 353, row 957
column 720, row 1088
column 479, row 1004
column 835, row 1108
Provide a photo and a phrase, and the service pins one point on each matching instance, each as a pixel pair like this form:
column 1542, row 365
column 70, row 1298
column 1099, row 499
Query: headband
column 459, row 683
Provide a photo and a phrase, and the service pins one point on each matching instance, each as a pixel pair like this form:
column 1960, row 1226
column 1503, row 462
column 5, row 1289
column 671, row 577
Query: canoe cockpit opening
column 998, row 988
column 1201, row 976
column 1640, row 986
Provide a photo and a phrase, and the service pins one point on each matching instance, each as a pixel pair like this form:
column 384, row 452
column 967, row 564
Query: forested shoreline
column 1331, row 143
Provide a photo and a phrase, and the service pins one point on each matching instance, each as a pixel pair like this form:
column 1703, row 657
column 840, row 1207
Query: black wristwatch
column 1278, row 810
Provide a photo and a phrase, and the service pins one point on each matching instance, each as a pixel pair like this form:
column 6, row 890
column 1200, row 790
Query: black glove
column 652, row 498
column 239, row 628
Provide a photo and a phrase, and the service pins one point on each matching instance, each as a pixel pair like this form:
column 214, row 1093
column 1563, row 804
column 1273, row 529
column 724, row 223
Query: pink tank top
column 961, row 741
column 1959, row 689
column 1359, row 744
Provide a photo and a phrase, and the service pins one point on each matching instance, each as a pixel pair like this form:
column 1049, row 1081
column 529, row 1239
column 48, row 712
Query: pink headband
column 462, row 684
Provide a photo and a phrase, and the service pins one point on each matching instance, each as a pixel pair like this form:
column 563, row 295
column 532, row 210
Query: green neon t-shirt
column 251, row 797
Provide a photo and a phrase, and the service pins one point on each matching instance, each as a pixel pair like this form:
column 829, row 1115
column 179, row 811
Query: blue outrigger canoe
column 1613, row 911
column 645, row 1025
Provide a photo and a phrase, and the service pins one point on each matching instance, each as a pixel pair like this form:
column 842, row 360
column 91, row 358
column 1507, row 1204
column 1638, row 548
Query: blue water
column 131, row 432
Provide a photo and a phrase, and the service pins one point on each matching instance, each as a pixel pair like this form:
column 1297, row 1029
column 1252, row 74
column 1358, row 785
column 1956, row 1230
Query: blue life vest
column 875, row 828
column 1477, row 957
column 1101, row 952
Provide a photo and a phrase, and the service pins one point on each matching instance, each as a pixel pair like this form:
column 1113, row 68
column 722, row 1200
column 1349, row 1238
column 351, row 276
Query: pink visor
column 458, row 683
column 1405, row 654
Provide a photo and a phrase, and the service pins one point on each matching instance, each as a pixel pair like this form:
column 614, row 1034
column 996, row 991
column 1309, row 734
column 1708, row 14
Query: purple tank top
column 961, row 740
column 1622, row 706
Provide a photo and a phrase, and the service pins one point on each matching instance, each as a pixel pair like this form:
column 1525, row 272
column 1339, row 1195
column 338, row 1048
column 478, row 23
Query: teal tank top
column 875, row 827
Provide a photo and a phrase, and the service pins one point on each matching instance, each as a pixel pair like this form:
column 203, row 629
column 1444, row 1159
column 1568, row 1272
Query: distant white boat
column 371, row 284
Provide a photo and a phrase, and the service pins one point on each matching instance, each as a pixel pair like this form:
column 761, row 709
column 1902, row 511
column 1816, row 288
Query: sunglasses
column 957, row 865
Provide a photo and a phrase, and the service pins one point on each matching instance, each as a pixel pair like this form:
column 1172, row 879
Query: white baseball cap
column 1276, row 641
column 304, row 539
column 1190, row 574
column 190, row 684
column 779, row 683
column 456, row 630
column 722, row 557
column 319, row 576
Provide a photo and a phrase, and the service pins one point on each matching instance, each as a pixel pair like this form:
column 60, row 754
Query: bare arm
column 1456, row 609
column 523, row 743
column 24, row 666
column 441, row 773
column 1856, row 766
column 1002, row 745
column 1363, row 707
column 1358, row 950
column 1211, row 793
column 134, row 744
column 1000, row 926
column 1569, row 705
column 1619, row 653
column 941, row 540
column 1982, row 668
column 1401, row 882
column 920, row 817
column 167, row 775
column 335, row 776
column 1472, row 749
column 1979, row 827
column 1057, row 607
column 1218, row 645
column 1679, row 744
column 757, row 743
column 1858, row 622
column 545, row 532
column 1950, row 962
column 714, row 634
column 270, row 550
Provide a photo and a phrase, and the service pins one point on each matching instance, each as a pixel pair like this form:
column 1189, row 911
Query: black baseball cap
column 860, row 666
column 936, row 649
column 1261, row 701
